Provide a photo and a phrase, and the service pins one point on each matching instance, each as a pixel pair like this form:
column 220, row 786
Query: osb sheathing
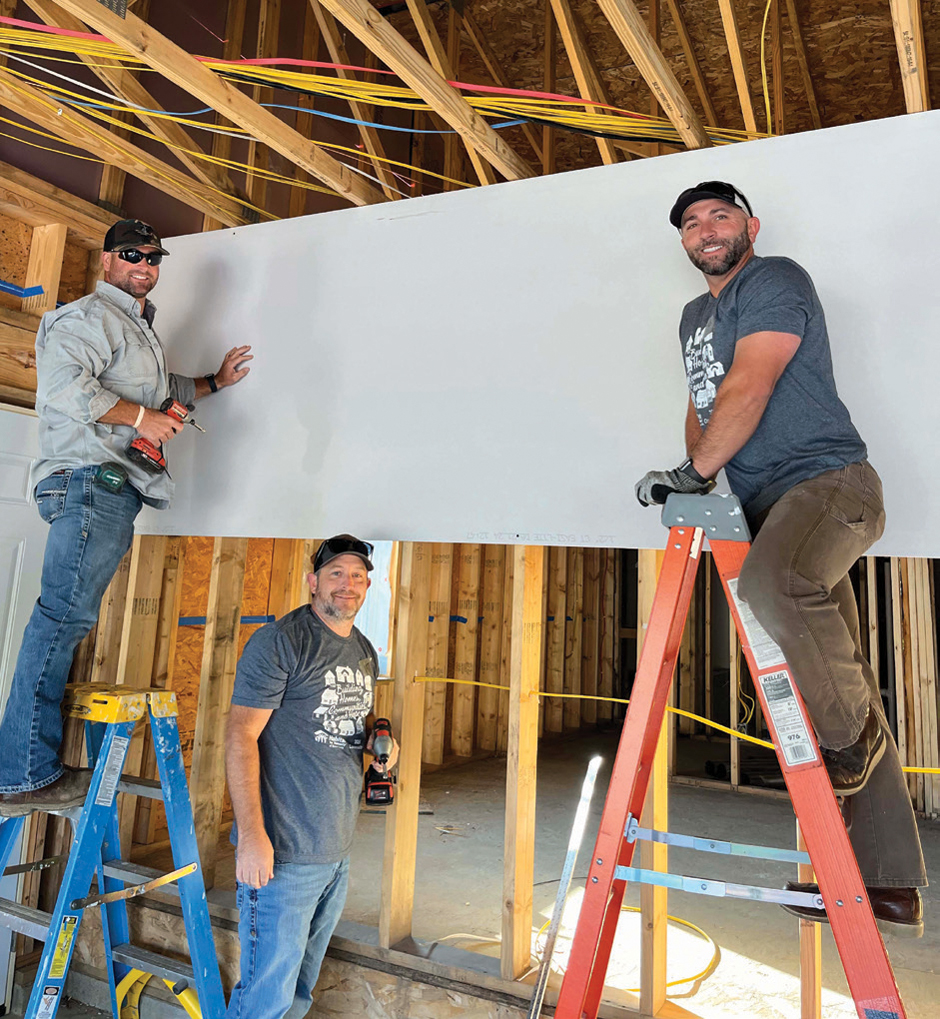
column 15, row 239
column 850, row 50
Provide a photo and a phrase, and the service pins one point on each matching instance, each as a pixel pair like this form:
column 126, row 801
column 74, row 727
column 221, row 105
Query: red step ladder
column 692, row 519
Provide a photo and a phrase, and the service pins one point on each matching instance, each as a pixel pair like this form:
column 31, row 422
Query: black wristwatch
column 213, row 385
column 687, row 468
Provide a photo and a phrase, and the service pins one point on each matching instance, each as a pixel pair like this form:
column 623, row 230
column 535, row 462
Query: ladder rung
column 135, row 874
column 634, row 832
column 719, row 889
column 34, row 923
column 152, row 962
column 147, row 787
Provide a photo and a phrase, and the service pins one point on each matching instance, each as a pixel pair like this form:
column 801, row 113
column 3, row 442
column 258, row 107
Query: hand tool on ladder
column 690, row 520
column 110, row 714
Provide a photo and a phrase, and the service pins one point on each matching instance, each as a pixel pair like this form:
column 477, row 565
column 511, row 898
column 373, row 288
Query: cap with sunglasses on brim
column 701, row 192
column 132, row 233
column 343, row 544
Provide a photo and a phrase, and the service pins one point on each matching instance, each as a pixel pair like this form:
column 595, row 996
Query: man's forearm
column 693, row 430
column 734, row 420
column 243, row 771
column 122, row 413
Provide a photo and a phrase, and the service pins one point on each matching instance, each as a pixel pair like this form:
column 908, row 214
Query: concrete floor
column 459, row 887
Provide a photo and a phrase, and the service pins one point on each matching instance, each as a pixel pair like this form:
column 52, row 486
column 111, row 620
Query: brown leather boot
column 69, row 790
column 850, row 767
column 898, row 911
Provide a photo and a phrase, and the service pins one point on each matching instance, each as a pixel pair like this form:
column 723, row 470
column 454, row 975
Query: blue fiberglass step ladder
column 110, row 714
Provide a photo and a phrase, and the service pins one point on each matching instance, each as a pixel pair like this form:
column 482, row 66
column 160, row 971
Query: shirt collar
column 126, row 302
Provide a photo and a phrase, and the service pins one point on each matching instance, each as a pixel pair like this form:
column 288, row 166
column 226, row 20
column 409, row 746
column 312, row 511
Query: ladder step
column 152, row 962
column 634, row 831
column 149, row 788
column 135, row 874
column 34, row 923
column 719, row 889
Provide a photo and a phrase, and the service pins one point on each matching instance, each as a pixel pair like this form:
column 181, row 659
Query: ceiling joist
column 695, row 69
column 198, row 80
column 632, row 31
column 794, row 21
column 96, row 139
column 365, row 22
column 729, row 20
column 909, row 36
column 123, row 83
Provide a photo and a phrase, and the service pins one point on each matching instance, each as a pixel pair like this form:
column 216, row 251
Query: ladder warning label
column 797, row 744
column 48, row 1002
column 112, row 771
column 63, row 947
column 766, row 652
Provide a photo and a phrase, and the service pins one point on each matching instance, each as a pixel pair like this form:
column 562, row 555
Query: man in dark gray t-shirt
column 763, row 405
column 296, row 734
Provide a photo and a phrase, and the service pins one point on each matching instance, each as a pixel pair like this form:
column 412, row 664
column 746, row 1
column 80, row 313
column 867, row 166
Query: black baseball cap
column 343, row 544
column 132, row 233
column 708, row 189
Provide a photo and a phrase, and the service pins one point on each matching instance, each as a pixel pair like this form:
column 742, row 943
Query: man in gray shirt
column 102, row 377
column 296, row 732
column 763, row 405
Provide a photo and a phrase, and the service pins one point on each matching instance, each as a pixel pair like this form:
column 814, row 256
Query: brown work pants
column 795, row 580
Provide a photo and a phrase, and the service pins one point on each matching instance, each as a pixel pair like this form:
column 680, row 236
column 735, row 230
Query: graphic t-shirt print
column 701, row 368
column 346, row 701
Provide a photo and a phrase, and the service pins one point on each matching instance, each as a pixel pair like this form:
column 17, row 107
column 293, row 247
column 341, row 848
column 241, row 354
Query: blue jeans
column 284, row 929
column 90, row 530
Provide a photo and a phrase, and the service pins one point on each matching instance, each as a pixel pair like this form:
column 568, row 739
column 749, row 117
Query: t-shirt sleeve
column 263, row 670
column 779, row 299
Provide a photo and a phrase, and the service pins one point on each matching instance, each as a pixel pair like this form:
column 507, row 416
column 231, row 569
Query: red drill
column 151, row 457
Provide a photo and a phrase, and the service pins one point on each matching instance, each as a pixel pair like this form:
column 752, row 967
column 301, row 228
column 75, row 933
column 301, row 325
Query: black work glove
column 654, row 486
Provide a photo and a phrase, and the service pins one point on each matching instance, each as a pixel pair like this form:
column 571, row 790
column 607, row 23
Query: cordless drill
column 151, row 457
column 379, row 784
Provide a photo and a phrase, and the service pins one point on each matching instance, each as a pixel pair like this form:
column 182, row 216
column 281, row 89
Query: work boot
column 850, row 767
column 69, row 790
column 898, row 911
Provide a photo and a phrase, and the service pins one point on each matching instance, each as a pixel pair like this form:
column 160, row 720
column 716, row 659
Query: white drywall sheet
column 501, row 364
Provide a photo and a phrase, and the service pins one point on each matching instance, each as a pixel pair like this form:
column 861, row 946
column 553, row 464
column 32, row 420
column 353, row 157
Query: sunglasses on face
column 134, row 256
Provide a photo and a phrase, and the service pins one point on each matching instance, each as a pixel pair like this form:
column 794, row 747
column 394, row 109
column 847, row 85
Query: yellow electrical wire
column 624, row 700
column 763, row 67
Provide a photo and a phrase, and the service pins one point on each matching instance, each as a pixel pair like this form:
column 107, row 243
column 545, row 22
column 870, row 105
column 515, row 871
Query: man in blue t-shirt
column 293, row 756
column 763, row 405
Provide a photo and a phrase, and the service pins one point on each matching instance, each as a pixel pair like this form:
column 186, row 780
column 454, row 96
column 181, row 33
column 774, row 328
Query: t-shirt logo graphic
column 700, row 368
column 347, row 700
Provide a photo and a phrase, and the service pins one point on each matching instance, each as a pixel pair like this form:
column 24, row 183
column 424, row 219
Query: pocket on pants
column 50, row 495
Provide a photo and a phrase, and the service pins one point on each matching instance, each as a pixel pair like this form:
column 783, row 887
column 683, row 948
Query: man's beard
column 732, row 253
column 331, row 609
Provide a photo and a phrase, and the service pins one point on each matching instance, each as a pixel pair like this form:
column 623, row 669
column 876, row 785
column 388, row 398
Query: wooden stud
column 494, row 557
column 586, row 74
column 631, row 30
column 303, row 121
column 368, row 25
column 45, row 266
column 519, row 845
column 505, row 653
column 653, row 855
column 164, row 661
column 907, row 18
column 186, row 71
column 734, row 709
column 465, row 649
column 369, row 135
column 555, row 652
column 216, row 679
column 729, row 19
column 653, row 21
column 794, row 22
column 590, row 634
column 111, row 625
column 401, row 820
column 692, row 63
column 443, row 64
column 549, row 63
column 94, row 137
column 574, row 622
column 900, row 686
column 266, row 47
column 289, row 567
column 776, row 68
column 435, row 695
column 610, row 625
